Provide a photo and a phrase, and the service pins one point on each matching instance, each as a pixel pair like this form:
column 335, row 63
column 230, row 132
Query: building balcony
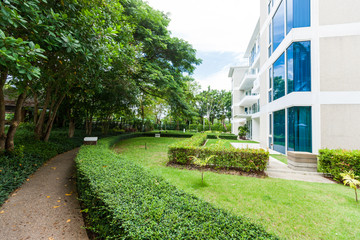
column 256, row 87
column 248, row 80
column 249, row 100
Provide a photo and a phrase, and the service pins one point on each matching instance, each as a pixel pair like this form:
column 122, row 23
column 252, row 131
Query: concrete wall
column 340, row 126
column 339, row 63
column 264, row 119
column 338, row 11
column 264, row 41
column 256, row 129
column 236, row 96
column 263, row 88
column 263, row 11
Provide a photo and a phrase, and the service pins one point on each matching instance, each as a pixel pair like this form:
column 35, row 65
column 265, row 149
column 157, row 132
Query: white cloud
column 212, row 25
column 218, row 80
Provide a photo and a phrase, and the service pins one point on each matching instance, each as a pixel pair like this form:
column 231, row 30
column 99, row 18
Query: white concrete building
column 309, row 75
column 246, row 89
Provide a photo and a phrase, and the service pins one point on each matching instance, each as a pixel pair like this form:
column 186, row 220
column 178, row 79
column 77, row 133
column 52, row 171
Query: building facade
column 308, row 74
column 246, row 90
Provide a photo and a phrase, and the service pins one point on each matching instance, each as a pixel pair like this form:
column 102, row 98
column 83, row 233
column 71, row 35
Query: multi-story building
column 245, row 90
column 309, row 74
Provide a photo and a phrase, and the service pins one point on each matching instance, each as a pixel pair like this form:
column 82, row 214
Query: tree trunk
column 41, row 120
column 3, row 77
column 9, row 145
column 50, row 122
column 90, row 126
column 71, row 127
column 36, row 107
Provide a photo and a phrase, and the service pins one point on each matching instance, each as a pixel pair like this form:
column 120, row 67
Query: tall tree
column 18, row 58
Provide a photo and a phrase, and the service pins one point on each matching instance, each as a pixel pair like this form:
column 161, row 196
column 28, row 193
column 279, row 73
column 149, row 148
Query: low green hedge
column 228, row 136
column 167, row 134
column 124, row 201
column 336, row 161
column 244, row 159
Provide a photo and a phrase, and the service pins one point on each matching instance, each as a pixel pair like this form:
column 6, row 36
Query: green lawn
column 290, row 209
column 280, row 157
column 227, row 144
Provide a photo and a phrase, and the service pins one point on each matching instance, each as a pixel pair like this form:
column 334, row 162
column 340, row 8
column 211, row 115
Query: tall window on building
column 297, row 14
column 270, row 85
column 270, row 131
column 299, row 67
column 279, row 77
column 270, row 41
column 278, row 26
column 299, row 129
column 279, row 131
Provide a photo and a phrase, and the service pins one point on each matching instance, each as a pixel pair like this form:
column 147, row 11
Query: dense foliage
column 337, row 161
column 243, row 159
column 88, row 59
column 124, row 201
column 28, row 156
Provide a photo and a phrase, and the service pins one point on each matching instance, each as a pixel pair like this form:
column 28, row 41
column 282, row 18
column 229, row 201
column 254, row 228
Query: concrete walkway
column 278, row 169
column 46, row 206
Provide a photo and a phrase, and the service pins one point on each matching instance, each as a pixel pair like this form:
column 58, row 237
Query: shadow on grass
column 199, row 185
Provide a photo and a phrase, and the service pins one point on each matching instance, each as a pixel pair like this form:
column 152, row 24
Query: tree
column 18, row 57
column 350, row 179
column 202, row 163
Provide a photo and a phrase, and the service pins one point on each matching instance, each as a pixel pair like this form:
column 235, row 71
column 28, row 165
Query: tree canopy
column 95, row 56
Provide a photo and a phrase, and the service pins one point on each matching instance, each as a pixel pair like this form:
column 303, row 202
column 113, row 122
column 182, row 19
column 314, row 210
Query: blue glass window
column 299, row 67
column 279, row 131
column 299, row 129
column 278, row 25
column 297, row 14
column 279, row 77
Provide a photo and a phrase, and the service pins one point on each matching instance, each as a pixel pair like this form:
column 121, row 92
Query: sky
column 218, row 29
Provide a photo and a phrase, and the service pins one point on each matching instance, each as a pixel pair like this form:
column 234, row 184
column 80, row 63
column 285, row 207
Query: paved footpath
column 46, row 206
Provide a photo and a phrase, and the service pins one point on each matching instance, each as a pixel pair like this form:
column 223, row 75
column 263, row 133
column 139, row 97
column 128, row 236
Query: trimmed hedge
column 336, row 161
column 228, row 136
column 165, row 134
column 243, row 159
column 124, row 201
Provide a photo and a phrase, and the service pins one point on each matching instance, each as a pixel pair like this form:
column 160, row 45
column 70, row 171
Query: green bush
column 212, row 136
column 193, row 127
column 336, row 161
column 243, row 159
column 177, row 134
column 228, row 136
column 124, row 201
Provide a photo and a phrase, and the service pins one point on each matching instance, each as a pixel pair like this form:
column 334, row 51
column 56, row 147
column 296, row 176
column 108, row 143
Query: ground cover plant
column 29, row 155
column 124, row 200
column 290, row 209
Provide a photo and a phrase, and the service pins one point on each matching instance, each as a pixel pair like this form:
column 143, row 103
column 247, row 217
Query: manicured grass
column 228, row 142
column 290, row 209
column 280, row 157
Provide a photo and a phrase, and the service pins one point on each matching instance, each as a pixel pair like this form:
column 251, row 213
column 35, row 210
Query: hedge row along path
column 46, row 206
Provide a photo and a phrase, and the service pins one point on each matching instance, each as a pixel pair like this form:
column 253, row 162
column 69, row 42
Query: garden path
column 46, row 205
